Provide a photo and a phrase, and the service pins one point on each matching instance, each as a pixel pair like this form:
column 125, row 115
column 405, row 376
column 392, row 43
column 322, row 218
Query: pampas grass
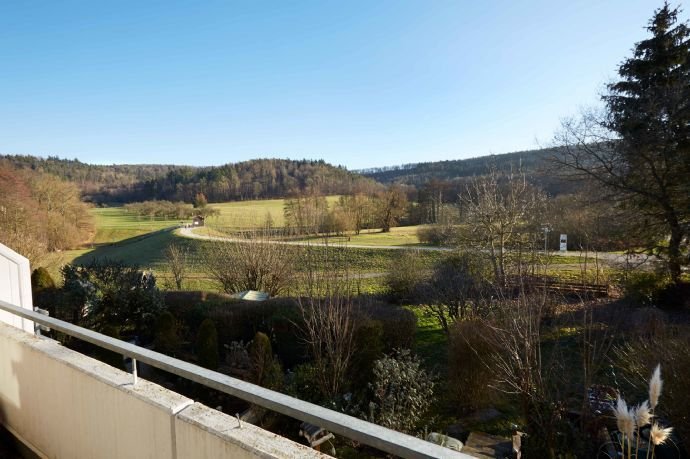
column 625, row 418
column 658, row 436
column 655, row 385
column 631, row 420
column 643, row 414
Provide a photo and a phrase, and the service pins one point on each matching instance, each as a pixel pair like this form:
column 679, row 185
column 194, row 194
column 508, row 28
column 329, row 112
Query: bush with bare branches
column 327, row 319
column 178, row 260
column 498, row 210
column 251, row 262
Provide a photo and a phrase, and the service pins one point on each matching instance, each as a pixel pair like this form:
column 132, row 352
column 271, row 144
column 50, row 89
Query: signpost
column 564, row 243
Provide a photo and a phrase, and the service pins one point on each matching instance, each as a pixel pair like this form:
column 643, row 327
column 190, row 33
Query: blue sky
column 357, row 83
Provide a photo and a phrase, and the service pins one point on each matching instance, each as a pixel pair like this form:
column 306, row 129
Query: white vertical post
column 134, row 371
column 15, row 287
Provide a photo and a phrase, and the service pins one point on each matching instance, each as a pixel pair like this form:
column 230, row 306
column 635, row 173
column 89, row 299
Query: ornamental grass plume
column 625, row 418
column 643, row 414
column 658, row 436
column 630, row 421
column 655, row 385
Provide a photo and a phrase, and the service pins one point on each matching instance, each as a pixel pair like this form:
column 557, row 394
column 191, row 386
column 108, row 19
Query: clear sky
column 358, row 83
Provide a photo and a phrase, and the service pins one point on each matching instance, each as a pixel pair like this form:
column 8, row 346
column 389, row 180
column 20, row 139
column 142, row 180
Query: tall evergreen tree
column 640, row 147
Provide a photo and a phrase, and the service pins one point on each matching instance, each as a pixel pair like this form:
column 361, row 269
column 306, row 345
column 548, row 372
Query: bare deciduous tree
column 497, row 209
column 458, row 287
column 306, row 213
column 392, row 205
column 177, row 257
column 327, row 314
column 250, row 262
column 359, row 209
column 521, row 367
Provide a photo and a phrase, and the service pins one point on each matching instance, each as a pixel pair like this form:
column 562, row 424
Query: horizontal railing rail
column 379, row 437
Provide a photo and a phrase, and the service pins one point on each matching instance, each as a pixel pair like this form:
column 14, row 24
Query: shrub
column 290, row 350
column 369, row 346
column 239, row 320
column 253, row 264
column 399, row 324
column 303, row 383
column 107, row 292
column 469, row 356
column 436, row 234
column 207, row 345
column 458, row 287
column 674, row 296
column 404, row 276
column 41, row 279
column 646, row 322
column 166, row 339
column 113, row 359
column 43, row 289
column 265, row 370
column 402, row 391
column 642, row 288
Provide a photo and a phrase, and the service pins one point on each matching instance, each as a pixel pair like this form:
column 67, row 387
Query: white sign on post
column 15, row 287
column 564, row 242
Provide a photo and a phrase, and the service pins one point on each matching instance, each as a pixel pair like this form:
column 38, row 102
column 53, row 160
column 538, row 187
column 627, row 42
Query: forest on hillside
column 535, row 163
column 254, row 179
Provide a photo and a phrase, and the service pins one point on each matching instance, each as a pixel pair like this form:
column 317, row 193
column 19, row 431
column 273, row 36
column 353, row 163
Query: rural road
column 608, row 257
column 188, row 232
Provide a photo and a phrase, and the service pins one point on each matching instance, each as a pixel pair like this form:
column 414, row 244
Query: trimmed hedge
column 240, row 320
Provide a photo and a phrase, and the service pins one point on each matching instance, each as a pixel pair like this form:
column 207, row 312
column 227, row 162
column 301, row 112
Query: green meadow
column 400, row 236
column 113, row 224
column 239, row 215
column 142, row 241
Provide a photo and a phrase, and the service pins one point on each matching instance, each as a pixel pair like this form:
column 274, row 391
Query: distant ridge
column 417, row 173
column 254, row 179
column 535, row 164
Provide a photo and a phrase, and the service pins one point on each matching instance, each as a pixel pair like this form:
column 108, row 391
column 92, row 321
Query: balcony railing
column 376, row 436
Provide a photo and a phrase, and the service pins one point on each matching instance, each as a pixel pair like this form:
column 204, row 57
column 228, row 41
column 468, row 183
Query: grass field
column 252, row 214
column 113, row 224
column 141, row 241
column 400, row 236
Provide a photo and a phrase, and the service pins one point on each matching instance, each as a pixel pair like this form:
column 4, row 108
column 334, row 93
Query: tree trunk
column 674, row 252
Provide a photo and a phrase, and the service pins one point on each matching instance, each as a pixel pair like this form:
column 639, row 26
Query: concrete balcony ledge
column 203, row 432
column 63, row 404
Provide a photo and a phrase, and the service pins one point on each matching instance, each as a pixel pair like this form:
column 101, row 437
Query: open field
column 113, row 224
column 399, row 236
column 141, row 241
column 252, row 214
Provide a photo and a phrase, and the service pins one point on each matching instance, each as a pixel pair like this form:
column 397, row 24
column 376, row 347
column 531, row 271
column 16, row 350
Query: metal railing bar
column 379, row 437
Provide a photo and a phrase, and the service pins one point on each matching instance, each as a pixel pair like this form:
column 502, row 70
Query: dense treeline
column 93, row 180
column 375, row 207
column 168, row 209
column 41, row 213
column 255, row 179
column 419, row 173
column 535, row 163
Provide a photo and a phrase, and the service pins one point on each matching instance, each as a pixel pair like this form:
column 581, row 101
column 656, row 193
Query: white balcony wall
column 63, row 404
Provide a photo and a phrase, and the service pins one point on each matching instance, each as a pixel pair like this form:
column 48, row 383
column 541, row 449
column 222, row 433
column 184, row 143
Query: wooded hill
column 255, row 179
column 277, row 178
column 535, row 164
